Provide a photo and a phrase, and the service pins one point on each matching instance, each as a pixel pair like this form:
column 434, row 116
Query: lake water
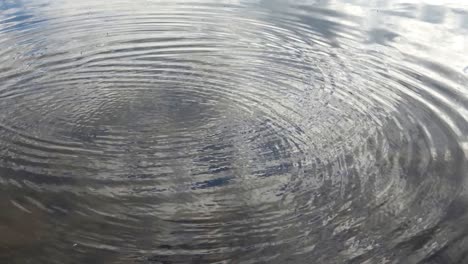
column 163, row 132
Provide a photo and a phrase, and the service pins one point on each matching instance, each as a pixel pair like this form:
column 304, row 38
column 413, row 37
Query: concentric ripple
column 233, row 132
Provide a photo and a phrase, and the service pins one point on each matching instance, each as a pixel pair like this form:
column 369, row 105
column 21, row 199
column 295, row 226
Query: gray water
column 147, row 131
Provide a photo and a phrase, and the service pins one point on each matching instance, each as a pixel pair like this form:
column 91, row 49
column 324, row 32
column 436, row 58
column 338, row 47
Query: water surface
column 145, row 131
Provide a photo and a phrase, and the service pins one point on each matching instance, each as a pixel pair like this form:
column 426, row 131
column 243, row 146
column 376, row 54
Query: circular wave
column 233, row 132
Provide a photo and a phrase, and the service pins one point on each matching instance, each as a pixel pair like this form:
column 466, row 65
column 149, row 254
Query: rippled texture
column 233, row 131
